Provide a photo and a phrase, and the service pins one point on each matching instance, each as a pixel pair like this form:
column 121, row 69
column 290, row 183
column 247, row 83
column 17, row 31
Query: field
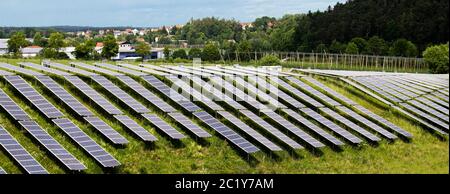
column 425, row 153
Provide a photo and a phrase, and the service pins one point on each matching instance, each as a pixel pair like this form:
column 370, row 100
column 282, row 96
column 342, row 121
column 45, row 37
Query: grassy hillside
column 424, row 154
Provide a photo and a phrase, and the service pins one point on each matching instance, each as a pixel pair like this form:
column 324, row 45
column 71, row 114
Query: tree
column 269, row 60
column 362, row 45
column 321, row 48
column 56, row 41
column 195, row 53
column 166, row 53
column 143, row 49
column 337, row 47
column 85, row 50
column 403, row 48
column 38, row 39
column 244, row 49
column 352, row 48
column 16, row 42
column 377, row 46
column 211, row 53
column 110, row 47
column 179, row 54
column 437, row 58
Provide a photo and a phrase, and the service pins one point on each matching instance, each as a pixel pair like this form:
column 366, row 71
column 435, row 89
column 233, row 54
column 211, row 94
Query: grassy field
column 424, row 154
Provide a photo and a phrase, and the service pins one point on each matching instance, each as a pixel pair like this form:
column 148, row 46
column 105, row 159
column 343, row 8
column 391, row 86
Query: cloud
column 144, row 12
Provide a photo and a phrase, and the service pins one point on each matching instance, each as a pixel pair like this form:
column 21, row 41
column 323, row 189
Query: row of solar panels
column 425, row 98
column 214, row 74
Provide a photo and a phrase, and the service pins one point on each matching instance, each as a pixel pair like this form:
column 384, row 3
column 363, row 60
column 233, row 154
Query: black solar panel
column 145, row 93
column 274, row 91
column 354, row 126
column 2, row 171
column 292, row 128
column 250, row 131
column 429, row 110
column 18, row 69
column 70, row 69
column 240, row 96
column 196, row 95
column 299, row 118
column 65, row 96
column 298, row 93
column 88, row 144
column 94, row 69
column 188, row 124
column 269, row 128
column 383, row 121
column 120, row 94
column 437, row 100
column 12, row 108
column 106, row 130
column 34, row 97
column 163, row 126
column 93, row 95
column 376, row 89
column 330, row 125
column 20, row 155
column 44, row 68
column 226, row 132
column 330, row 91
column 241, row 83
column 120, row 69
column 135, row 128
column 436, row 106
column 52, row 146
column 313, row 91
column 425, row 115
column 172, row 94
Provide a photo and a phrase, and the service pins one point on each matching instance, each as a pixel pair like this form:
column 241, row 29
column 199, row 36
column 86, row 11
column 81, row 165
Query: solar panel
column 311, row 126
column 383, row 121
column 34, row 97
column 297, row 93
column 162, row 69
column 437, row 100
column 70, row 69
column 191, row 71
column 43, row 68
column 330, row 125
column 12, row 108
column 226, row 132
column 145, row 93
column 106, row 130
column 218, row 69
column 376, row 89
column 406, row 93
column 429, row 110
column 18, row 69
column 3, row 73
column 269, row 128
column 52, row 146
column 118, row 68
column 250, row 131
column 208, row 71
column 65, row 96
column 292, row 128
column 2, row 171
column 93, row 95
column 330, row 91
column 263, row 85
column 189, row 125
column 441, row 96
column 120, row 94
column 172, row 94
column 403, row 85
column 433, row 105
column 20, row 155
column 354, row 126
column 196, row 95
column 387, row 89
column 241, row 83
column 94, row 69
column 88, row 144
column 163, row 126
column 313, row 91
column 135, row 128
column 141, row 69
column 206, row 87
column 425, row 115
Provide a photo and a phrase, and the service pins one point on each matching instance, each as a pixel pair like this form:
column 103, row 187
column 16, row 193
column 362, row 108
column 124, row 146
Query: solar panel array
column 12, row 108
column 93, row 95
column 313, row 91
column 34, row 97
column 95, row 69
column 52, row 146
column 330, row 91
column 163, row 126
column 297, row 93
column 20, row 155
column 106, row 130
column 226, row 132
column 120, row 94
column 18, row 69
column 120, row 69
column 88, row 144
column 189, row 125
column 69, row 69
column 44, row 69
column 138, row 130
column 263, row 85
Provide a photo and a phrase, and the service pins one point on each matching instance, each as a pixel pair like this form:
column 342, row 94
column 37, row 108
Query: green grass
column 424, row 154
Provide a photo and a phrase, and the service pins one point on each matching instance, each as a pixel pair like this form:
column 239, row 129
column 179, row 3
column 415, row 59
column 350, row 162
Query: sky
column 145, row 13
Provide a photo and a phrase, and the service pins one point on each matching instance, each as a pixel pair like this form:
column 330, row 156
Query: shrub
column 437, row 58
column 269, row 60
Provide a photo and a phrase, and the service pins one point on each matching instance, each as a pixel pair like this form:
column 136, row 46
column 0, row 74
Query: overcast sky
column 144, row 13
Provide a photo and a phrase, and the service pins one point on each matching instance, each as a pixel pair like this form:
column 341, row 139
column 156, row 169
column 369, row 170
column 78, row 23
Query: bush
column 269, row 60
column 211, row 53
column 437, row 58
column 195, row 53
column 179, row 54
